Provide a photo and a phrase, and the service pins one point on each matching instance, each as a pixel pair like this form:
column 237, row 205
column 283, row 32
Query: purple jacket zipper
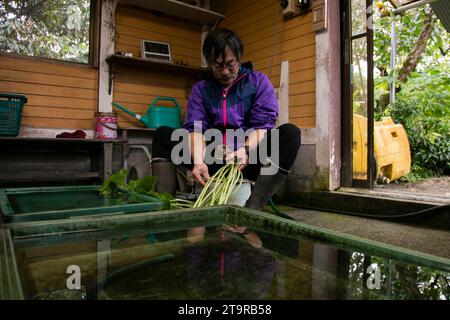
column 224, row 106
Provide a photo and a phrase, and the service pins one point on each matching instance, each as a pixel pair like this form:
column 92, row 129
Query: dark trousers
column 289, row 143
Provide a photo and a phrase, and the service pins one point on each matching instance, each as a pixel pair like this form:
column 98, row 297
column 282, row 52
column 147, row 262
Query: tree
column 57, row 29
column 423, row 90
column 420, row 46
column 416, row 53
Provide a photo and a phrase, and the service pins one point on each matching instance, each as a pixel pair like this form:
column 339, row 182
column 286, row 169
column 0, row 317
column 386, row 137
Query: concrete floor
column 426, row 240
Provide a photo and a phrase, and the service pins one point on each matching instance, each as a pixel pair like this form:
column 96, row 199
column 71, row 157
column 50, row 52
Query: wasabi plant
column 220, row 187
column 117, row 184
column 217, row 191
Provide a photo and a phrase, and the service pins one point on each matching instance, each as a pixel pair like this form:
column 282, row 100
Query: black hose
column 415, row 214
column 96, row 287
column 277, row 211
column 426, row 211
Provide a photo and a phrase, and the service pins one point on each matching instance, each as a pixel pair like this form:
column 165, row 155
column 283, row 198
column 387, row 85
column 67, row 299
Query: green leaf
column 110, row 186
column 145, row 185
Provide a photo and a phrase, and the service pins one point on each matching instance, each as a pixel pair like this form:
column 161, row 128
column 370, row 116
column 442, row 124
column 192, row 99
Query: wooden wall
column 60, row 95
column 135, row 89
column 65, row 95
column 260, row 24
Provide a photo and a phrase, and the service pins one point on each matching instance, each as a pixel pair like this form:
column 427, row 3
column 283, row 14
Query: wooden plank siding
column 60, row 94
column 135, row 89
column 65, row 95
column 269, row 40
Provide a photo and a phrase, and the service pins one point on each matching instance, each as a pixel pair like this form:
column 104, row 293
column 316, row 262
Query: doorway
column 358, row 167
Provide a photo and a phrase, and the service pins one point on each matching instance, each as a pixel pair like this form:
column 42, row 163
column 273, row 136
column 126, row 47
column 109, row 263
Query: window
column 57, row 29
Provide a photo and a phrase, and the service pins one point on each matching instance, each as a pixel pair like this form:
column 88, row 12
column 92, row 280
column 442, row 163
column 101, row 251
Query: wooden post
column 283, row 95
column 205, row 31
column 107, row 16
column 107, row 160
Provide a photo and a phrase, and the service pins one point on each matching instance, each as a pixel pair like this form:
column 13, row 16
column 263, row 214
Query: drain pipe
column 395, row 12
column 393, row 55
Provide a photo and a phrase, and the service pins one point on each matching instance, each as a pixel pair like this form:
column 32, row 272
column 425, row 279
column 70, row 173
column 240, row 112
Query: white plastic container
column 242, row 194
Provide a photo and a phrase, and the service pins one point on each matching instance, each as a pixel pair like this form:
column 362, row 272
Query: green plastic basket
column 11, row 106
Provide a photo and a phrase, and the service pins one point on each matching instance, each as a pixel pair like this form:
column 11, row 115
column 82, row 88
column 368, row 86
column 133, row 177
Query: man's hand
column 200, row 173
column 241, row 158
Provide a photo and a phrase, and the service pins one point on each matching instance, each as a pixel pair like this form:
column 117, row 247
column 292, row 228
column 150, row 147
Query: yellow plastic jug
column 392, row 150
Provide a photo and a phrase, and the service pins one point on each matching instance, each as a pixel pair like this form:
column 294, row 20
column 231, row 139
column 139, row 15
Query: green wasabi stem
column 228, row 186
column 180, row 204
column 209, row 192
column 219, row 182
column 226, row 180
column 232, row 187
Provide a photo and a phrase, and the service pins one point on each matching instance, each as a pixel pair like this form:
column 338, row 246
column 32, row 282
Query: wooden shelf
column 33, row 159
column 62, row 140
column 177, row 9
column 153, row 64
column 43, row 176
column 115, row 60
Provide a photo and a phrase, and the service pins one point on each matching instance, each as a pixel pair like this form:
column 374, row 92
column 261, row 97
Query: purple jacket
column 250, row 102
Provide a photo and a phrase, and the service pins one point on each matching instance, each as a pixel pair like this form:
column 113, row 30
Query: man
column 231, row 96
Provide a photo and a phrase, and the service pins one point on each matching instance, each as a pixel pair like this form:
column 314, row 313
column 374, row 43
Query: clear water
column 64, row 200
column 217, row 262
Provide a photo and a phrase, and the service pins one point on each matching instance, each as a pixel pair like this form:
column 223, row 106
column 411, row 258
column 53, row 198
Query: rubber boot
column 265, row 187
column 166, row 173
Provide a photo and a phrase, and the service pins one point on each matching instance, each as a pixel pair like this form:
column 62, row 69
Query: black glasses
column 229, row 65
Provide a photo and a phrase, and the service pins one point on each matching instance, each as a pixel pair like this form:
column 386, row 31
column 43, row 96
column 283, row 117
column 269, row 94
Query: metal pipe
column 394, row 40
column 145, row 149
column 393, row 56
column 411, row 6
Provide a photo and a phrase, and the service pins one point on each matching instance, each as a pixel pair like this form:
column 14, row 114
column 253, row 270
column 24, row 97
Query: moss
column 321, row 179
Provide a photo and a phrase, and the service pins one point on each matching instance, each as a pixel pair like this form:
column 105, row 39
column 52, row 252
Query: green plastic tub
column 205, row 254
column 49, row 203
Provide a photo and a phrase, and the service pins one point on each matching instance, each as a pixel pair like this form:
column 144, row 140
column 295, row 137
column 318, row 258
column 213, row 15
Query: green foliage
column 112, row 183
column 403, row 281
column 413, row 282
column 381, row 91
column 423, row 103
column 117, row 184
column 409, row 26
column 417, row 173
column 423, row 108
column 57, row 29
column 144, row 185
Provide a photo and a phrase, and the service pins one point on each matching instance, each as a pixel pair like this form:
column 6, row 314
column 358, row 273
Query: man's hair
column 217, row 42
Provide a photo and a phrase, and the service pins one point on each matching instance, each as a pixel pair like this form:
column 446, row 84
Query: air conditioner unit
column 155, row 50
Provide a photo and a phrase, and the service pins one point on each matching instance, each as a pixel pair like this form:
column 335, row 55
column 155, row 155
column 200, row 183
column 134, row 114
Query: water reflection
column 219, row 262
column 230, row 265
column 397, row 280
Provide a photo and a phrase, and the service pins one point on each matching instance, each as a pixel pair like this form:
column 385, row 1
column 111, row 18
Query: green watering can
column 157, row 116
